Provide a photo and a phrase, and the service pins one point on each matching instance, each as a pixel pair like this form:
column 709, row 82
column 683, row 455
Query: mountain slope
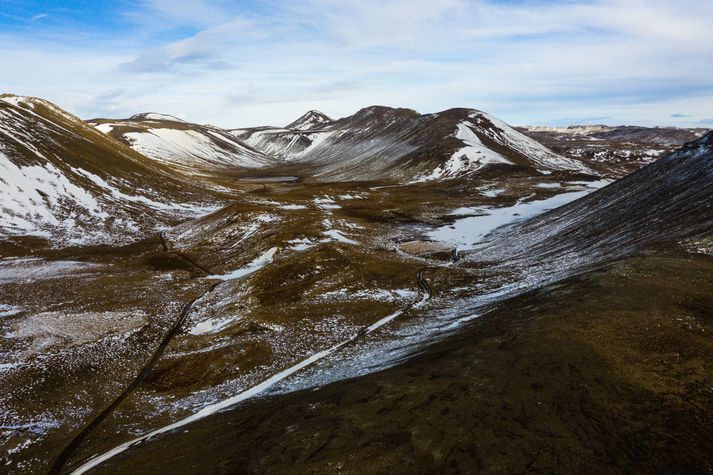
column 64, row 179
column 665, row 203
column 382, row 142
column 185, row 147
column 601, row 366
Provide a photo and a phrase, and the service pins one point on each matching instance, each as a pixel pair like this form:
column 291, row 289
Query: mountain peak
column 380, row 112
column 313, row 119
column 155, row 116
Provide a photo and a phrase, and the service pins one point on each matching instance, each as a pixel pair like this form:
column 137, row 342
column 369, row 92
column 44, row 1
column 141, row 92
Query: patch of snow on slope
column 316, row 139
column 473, row 156
column 533, row 150
column 468, row 233
column 186, row 209
column 105, row 128
column 9, row 310
column 335, row 235
column 189, row 147
column 255, row 265
column 326, row 202
column 34, row 196
column 300, row 244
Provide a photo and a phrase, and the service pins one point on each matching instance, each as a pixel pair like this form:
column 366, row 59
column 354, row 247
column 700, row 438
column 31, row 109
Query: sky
column 266, row 62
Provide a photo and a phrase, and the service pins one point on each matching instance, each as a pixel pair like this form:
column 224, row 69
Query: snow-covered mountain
column 67, row 178
column 185, row 147
column 311, row 120
column 62, row 179
column 383, row 142
column 375, row 143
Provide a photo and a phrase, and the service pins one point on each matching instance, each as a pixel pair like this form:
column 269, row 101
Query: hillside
column 581, row 341
column 231, row 283
column 64, row 180
column 190, row 149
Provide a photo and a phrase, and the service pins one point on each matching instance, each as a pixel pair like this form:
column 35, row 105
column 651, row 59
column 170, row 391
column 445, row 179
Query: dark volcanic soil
column 607, row 373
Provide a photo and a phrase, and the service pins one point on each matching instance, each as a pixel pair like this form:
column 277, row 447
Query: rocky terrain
column 621, row 149
column 388, row 291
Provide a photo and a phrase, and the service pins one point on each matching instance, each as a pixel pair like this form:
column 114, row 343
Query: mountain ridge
column 405, row 145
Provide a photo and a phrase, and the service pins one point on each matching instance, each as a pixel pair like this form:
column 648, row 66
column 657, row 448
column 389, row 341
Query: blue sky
column 239, row 63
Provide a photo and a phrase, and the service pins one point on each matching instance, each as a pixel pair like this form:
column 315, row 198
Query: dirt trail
column 62, row 458
column 255, row 390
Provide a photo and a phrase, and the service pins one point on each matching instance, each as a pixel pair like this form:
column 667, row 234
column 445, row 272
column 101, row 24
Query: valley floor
column 329, row 311
column 105, row 343
column 606, row 373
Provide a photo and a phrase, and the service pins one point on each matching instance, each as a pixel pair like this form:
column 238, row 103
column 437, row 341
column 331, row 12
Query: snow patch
column 301, row 244
column 255, row 265
column 338, row 236
column 467, row 233
column 33, row 197
column 468, row 159
column 9, row 310
column 105, row 128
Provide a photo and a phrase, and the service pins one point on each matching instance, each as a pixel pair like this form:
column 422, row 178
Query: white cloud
column 38, row 17
column 629, row 60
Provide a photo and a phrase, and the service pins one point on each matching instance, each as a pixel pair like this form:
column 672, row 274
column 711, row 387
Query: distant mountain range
column 618, row 149
column 72, row 172
column 376, row 142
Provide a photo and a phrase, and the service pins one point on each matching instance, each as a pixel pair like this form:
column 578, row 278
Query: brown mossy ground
column 279, row 313
column 605, row 373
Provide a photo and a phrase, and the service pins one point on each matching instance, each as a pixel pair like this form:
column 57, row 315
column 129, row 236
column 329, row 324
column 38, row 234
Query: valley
column 389, row 274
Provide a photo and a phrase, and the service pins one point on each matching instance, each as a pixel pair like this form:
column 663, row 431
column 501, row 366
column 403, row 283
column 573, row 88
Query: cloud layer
column 249, row 63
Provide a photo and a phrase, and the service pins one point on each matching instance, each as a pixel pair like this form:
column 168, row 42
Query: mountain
column 155, row 116
column 376, row 142
column 311, row 120
column 401, row 144
column 619, row 149
column 666, row 203
column 64, row 180
column 190, row 149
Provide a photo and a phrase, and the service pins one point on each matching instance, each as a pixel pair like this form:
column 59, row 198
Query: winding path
column 62, row 458
column 426, row 292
